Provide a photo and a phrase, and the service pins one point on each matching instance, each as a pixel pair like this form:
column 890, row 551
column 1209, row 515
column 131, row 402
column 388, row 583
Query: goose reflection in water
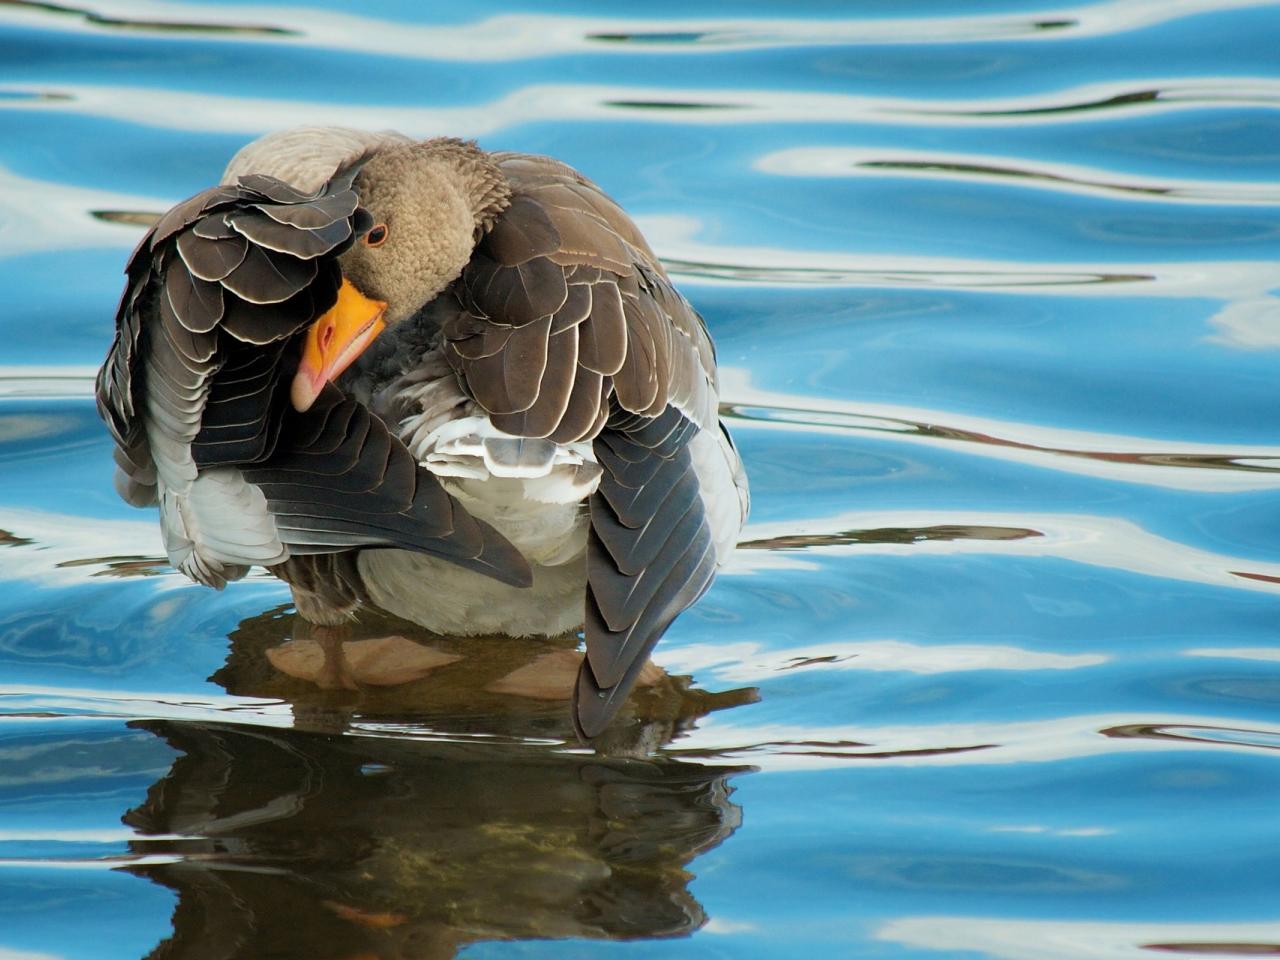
column 296, row 842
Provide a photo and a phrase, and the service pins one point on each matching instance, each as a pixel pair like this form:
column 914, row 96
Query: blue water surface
column 994, row 672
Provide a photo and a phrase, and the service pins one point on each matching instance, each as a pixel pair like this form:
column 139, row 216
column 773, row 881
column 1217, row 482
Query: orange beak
column 334, row 341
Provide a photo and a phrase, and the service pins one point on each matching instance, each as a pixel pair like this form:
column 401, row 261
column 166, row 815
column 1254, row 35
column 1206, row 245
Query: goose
column 453, row 385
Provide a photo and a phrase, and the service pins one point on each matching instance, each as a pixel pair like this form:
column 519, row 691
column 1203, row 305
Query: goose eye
column 377, row 235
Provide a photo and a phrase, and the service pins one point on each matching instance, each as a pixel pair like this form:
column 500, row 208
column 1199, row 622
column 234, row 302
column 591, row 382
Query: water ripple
column 171, row 20
column 1058, row 178
column 1196, row 733
column 530, row 35
column 1181, row 465
column 41, row 215
column 1246, row 285
column 187, row 110
column 750, row 662
column 778, row 747
column 1250, row 318
column 946, row 531
column 1088, row 103
column 1011, row 938
column 1033, row 668
column 1098, row 541
column 46, row 381
column 902, row 275
column 28, row 701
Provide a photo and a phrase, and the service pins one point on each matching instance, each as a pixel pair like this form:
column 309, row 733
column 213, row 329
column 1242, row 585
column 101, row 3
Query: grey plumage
column 195, row 391
column 571, row 330
column 540, row 323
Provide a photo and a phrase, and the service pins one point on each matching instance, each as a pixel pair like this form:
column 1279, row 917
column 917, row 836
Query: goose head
column 428, row 202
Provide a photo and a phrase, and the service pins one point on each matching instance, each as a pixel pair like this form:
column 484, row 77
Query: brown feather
column 283, row 238
column 554, row 390
column 576, row 309
column 193, row 348
column 196, row 303
column 636, row 384
column 524, row 361
column 269, row 277
column 462, row 324
column 594, row 701
column 250, row 323
column 580, row 417
column 587, row 240
column 274, row 189
column 315, row 214
column 484, row 380
column 522, row 232
column 211, row 259
column 603, row 345
column 516, row 295
column 213, row 228
column 492, row 339
column 185, row 213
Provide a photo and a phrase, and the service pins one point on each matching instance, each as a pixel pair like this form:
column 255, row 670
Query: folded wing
column 195, row 393
column 571, row 330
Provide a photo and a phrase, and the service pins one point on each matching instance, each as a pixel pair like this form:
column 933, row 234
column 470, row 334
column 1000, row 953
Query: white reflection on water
column 1248, row 318
column 187, row 110
column 1103, row 455
column 91, row 863
column 1266, row 654
column 85, row 835
column 773, row 747
column 81, row 703
column 1010, row 171
column 1250, row 324
column 10, row 954
column 523, row 36
column 748, row 662
column 675, row 237
column 1066, row 940
column 61, row 543
column 718, row 924
column 43, row 215
column 1099, row 541
column 1106, row 456
column 40, row 380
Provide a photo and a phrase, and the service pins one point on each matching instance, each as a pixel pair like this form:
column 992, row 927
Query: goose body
column 531, row 445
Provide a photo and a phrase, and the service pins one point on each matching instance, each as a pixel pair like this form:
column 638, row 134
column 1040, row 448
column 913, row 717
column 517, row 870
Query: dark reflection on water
column 1184, row 93
column 832, row 749
column 1195, row 733
column 136, row 218
column 671, row 105
column 390, row 674
column 307, row 845
column 1218, row 949
column 121, row 566
column 904, row 277
column 943, row 532
column 1105, row 103
column 1055, row 180
column 669, row 36
column 465, row 819
column 96, row 19
column 878, row 423
column 34, row 95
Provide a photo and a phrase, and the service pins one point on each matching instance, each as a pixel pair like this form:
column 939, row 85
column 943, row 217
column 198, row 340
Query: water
column 994, row 674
